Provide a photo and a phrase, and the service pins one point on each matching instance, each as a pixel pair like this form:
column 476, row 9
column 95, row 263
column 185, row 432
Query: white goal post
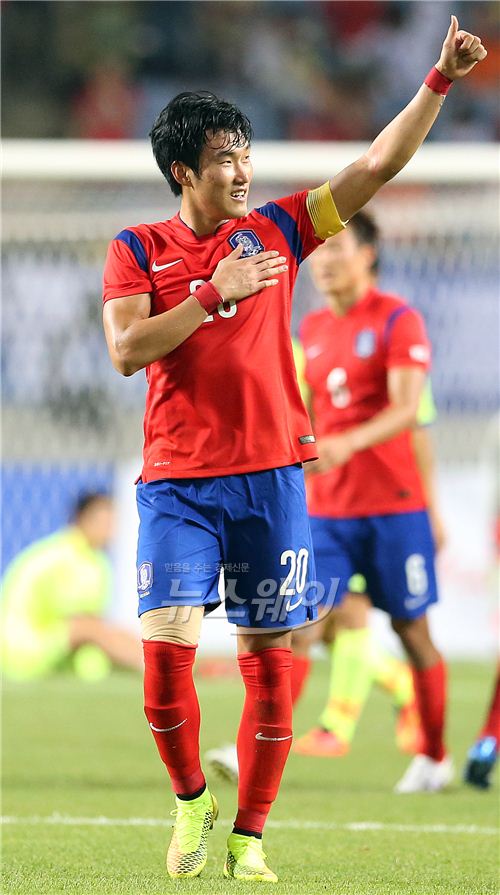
column 108, row 160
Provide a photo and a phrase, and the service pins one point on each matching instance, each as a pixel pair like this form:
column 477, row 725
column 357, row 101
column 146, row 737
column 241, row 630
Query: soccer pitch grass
column 86, row 800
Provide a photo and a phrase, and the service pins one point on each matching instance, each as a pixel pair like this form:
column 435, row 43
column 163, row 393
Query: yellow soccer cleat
column 187, row 852
column 246, row 860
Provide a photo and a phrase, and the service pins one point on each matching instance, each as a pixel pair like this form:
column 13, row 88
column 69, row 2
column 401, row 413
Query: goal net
column 71, row 422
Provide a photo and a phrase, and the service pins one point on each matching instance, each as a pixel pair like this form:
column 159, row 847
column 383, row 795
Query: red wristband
column 437, row 82
column 208, row 297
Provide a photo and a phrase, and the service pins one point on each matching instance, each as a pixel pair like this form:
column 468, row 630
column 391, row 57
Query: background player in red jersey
column 358, row 660
column 367, row 357
column 203, row 303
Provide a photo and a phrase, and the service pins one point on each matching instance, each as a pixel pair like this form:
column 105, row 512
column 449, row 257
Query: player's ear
column 371, row 255
column 181, row 173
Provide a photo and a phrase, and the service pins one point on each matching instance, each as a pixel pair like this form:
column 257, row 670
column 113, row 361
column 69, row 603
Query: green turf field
column 88, row 804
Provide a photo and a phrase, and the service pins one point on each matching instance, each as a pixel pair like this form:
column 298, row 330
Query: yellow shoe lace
column 251, row 854
column 187, row 833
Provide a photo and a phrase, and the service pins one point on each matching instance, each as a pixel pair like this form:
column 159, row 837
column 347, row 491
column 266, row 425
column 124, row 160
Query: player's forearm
column 383, row 426
column 398, row 142
column 146, row 341
column 353, row 187
column 424, row 455
column 394, row 147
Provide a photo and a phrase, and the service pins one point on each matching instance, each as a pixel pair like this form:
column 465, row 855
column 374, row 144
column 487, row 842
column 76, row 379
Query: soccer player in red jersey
column 367, row 357
column 202, row 302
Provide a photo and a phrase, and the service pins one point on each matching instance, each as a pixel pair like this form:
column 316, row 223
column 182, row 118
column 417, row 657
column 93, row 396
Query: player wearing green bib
column 54, row 594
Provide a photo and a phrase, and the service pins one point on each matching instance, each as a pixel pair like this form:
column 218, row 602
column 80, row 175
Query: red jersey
column 226, row 400
column 347, row 359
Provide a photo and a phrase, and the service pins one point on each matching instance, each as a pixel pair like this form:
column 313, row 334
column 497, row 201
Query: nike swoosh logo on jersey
column 166, row 729
column 157, row 267
column 260, row 736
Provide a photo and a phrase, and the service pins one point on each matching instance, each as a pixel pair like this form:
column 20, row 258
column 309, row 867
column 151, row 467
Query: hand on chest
column 178, row 270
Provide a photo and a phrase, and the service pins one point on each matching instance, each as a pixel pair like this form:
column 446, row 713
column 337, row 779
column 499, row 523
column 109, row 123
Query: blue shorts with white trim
column 253, row 527
column 394, row 553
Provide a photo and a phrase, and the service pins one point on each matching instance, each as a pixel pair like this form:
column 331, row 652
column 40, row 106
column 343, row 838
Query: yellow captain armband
column 323, row 212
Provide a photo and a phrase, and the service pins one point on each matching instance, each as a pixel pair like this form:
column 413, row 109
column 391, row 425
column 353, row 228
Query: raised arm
column 353, row 187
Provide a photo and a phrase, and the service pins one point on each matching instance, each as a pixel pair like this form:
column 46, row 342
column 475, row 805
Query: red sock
column 430, row 695
column 492, row 725
column 171, row 707
column 301, row 666
column 264, row 735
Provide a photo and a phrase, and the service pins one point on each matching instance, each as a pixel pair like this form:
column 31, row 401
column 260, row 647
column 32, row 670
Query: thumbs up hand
column 461, row 51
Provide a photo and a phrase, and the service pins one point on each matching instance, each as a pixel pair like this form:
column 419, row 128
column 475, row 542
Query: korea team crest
column 144, row 578
column 365, row 343
column 249, row 240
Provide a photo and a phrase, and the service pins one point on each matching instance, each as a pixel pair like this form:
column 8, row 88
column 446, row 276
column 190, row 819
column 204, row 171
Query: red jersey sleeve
column 295, row 207
column 406, row 340
column 291, row 215
column 126, row 271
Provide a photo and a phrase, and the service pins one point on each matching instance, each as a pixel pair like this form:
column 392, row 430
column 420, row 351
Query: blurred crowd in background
column 300, row 70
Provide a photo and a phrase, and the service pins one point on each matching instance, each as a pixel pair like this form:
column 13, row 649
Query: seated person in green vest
column 55, row 593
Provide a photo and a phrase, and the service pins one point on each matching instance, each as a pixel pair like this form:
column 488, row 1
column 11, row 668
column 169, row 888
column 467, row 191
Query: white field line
column 65, row 820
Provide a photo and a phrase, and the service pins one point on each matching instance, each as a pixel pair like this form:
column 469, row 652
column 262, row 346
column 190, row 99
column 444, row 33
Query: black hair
column 85, row 500
column 180, row 130
column 366, row 232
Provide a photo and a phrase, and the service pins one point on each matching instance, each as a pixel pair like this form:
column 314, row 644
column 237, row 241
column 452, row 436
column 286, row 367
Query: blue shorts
column 253, row 526
column 395, row 554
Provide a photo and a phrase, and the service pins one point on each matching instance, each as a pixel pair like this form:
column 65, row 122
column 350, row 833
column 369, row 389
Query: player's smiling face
column 220, row 190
